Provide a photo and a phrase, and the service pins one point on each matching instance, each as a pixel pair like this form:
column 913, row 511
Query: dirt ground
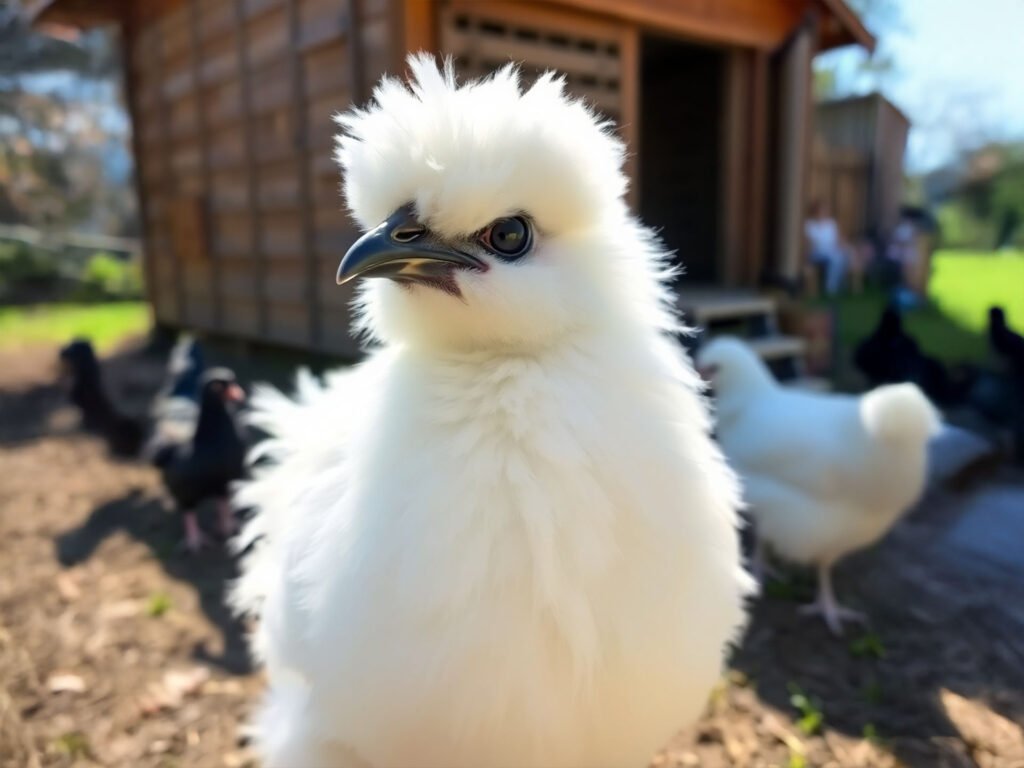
column 115, row 649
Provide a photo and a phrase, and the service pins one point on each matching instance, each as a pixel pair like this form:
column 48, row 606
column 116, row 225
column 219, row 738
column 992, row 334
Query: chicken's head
column 494, row 213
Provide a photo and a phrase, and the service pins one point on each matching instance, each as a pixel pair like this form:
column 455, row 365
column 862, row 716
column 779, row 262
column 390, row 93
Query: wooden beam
column 757, row 23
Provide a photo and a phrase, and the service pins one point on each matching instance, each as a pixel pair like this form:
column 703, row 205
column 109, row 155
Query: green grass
column 104, row 324
column 951, row 326
column 158, row 604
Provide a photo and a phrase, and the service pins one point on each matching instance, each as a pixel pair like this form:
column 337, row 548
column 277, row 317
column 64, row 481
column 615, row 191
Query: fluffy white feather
column 823, row 474
column 506, row 538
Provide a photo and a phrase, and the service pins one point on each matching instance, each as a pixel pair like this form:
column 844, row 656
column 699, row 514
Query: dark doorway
column 680, row 150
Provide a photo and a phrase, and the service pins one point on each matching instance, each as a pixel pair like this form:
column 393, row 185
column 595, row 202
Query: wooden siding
column 874, row 130
column 232, row 105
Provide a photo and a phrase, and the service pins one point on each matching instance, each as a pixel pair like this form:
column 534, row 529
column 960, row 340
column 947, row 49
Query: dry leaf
column 65, row 683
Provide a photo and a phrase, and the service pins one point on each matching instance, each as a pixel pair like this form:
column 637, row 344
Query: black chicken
column 1005, row 342
column 890, row 356
column 175, row 409
column 123, row 434
column 205, row 466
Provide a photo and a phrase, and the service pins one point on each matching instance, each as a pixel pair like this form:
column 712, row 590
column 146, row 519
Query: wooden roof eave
column 77, row 13
column 842, row 26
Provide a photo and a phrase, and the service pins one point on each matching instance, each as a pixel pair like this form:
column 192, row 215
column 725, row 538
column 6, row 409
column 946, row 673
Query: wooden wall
column 232, row 103
column 874, row 128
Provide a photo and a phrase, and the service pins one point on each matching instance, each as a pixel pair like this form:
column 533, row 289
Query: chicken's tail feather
column 899, row 413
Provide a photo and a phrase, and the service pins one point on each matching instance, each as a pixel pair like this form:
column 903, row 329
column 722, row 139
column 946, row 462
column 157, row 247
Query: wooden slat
column 304, row 186
column 258, row 265
column 356, row 55
column 212, row 317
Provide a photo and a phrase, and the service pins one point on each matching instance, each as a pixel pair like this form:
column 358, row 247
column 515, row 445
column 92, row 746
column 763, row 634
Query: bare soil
column 116, row 650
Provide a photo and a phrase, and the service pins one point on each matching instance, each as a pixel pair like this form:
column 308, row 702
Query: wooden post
column 130, row 87
column 735, row 124
column 356, row 70
column 757, row 220
column 793, row 143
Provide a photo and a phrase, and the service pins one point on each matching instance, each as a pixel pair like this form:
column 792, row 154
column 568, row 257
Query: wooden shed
column 231, row 102
column 859, row 163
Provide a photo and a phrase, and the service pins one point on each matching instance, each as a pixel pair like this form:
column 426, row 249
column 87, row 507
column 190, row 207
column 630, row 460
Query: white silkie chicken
column 823, row 474
column 506, row 538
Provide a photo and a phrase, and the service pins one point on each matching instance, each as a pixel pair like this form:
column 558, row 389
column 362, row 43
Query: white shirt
column 823, row 235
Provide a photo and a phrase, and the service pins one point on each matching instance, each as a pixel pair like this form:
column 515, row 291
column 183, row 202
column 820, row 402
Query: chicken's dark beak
column 401, row 248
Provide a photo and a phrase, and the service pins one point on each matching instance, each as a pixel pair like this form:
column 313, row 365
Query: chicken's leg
column 827, row 606
column 760, row 567
column 226, row 522
column 195, row 539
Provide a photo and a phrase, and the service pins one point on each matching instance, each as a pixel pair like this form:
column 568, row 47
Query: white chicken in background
column 824, row 475
column 506, row 538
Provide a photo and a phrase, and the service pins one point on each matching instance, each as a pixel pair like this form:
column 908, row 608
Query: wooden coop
column 231, row 102
column 858, row 163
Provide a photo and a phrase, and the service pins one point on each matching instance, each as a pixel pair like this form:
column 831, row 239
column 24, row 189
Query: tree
column 870, row 71
column 56, row 100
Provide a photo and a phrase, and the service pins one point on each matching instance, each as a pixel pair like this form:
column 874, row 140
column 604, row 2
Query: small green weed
column 158, row 604
column 867, row 646
column 811, row 716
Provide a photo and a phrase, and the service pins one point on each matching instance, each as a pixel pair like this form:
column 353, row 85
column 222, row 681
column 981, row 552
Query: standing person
column 825, row 247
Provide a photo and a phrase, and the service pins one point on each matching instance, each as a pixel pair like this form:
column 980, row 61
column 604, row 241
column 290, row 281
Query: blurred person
column 825, row 247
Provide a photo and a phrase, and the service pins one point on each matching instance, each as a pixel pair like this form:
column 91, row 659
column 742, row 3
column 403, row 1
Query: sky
column 958, row 74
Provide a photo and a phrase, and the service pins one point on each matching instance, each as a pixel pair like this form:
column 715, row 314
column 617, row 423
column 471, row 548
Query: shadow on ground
column 943, row 628
column 145, row 519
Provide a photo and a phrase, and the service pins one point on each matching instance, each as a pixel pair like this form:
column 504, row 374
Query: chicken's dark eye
column 508, row 238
